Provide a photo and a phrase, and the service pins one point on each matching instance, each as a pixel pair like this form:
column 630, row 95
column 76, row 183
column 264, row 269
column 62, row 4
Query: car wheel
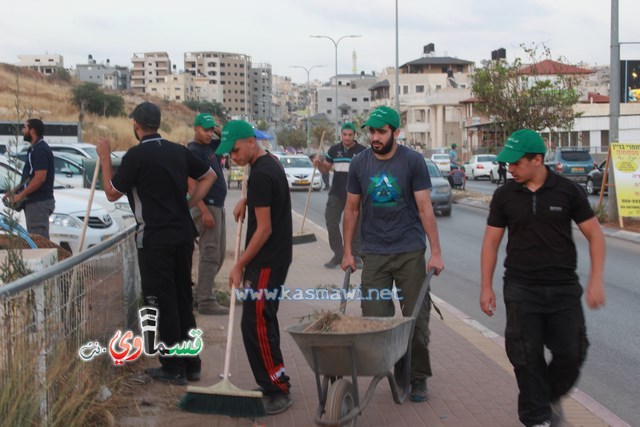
column 591, row 190
column 445, row 212
column 492, row 178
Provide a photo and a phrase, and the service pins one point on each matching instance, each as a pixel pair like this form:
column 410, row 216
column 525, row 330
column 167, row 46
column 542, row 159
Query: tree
column 292, row 137
column 316, row 133
column 517, row 97
column 262, row 125
column 212, row 107
column 89, row 97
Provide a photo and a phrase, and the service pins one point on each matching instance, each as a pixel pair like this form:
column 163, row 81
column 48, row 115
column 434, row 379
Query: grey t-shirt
column 390, row 222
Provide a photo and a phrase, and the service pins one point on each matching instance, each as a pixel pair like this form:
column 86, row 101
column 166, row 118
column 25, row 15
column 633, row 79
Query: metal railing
column 86, row 297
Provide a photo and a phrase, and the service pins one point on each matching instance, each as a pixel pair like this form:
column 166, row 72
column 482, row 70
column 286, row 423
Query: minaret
column 355, row 67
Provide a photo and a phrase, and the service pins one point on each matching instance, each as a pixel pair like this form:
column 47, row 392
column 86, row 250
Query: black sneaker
column 418, row 391
column 160, row 374
column 212, row 308
column 333, row 263
column 278, row 402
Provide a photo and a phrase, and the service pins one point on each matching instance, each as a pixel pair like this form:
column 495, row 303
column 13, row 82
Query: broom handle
column 313, row 176
column 232, row 300
column 85, row 223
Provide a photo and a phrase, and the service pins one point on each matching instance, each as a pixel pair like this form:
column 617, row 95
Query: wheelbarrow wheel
column 340, row 401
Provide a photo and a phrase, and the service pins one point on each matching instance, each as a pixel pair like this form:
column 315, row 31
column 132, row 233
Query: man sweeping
column 264, row 264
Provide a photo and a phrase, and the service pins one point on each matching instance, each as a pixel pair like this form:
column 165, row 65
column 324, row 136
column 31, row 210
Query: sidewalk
column 472, row 385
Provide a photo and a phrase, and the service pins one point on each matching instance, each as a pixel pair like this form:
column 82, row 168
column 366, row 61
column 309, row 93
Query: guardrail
column 50, row 314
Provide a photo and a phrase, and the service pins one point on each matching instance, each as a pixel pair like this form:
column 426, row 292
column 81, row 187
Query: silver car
column 440, row 190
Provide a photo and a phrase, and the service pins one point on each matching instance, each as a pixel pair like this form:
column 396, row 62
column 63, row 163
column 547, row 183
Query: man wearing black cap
column 541, row 288
column 36, row 187
column 153, row 175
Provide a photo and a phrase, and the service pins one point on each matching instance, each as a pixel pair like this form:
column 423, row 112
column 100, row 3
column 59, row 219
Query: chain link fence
column 47, row 316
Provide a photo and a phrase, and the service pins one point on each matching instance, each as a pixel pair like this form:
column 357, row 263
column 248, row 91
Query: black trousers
column 260, row 328
column 166, row 284
column 333, row 217
column 541, row 316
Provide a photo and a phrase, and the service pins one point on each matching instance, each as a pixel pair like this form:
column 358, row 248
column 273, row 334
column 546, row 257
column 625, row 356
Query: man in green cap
column 388, row 187
column 541, row 288
column 264, row 264
column 339, row 158
column 209, row 217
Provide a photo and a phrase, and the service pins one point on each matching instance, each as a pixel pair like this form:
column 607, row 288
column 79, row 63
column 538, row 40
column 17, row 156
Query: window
column 405, row 89
column 329, row 99
column 419, row 88
column 354, row 99
column 365, row 99
column 329, row 112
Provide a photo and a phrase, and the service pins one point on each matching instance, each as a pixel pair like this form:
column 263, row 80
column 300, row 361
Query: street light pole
column 335, row 43
column 308, row 70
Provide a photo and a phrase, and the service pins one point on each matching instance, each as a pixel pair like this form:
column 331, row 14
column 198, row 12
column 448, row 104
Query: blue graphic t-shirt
column 390, row 222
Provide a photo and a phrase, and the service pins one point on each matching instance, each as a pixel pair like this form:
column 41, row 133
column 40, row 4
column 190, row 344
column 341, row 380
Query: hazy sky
column 277, row 31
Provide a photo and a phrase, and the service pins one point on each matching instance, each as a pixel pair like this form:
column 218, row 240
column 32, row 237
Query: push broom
column 302, row 237
column 225, row 398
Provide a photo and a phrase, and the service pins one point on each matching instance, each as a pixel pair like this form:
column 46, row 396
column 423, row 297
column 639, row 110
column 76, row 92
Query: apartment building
column 354, row 97
column 230, row 73
column 262, row 92
column 148, row 68
column 45, row 64
column 104, row 74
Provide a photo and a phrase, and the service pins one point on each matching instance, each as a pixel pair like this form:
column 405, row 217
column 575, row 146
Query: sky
column 277, row 31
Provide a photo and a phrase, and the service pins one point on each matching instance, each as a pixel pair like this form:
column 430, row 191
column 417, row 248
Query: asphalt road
column 612, row 372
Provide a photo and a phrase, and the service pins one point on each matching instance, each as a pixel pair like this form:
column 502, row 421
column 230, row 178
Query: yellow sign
column 626, row 169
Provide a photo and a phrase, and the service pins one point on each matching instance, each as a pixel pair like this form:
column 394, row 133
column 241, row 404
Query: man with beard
column 36, row 188
column 389, row 183
column 339, row 158
column 153, row 175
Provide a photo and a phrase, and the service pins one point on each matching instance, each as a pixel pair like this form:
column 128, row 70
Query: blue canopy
column 262, row 135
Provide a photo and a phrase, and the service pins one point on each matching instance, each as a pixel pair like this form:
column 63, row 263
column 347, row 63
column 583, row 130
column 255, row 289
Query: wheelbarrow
column 383, row 353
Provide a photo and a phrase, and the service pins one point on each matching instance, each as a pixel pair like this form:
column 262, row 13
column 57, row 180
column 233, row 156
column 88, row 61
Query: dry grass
column 51, row 101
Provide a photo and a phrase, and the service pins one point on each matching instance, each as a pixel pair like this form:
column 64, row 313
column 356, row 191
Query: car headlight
column 63, row 220
column 123, row 206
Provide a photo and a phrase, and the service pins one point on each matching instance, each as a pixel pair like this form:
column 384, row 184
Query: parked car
column 574, row 163
column 83, row 149
column 480, row 165
column 442, row 161
column 68, row 168
column 299, row 169
column 440, row 189
column 493, row 173
column 594, row 179
column 65, row 223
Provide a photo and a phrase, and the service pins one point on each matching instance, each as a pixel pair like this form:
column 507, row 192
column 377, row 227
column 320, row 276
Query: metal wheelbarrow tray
column 382, row 353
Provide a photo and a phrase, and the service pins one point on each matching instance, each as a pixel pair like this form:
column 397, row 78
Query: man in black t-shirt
column 264, row 264
column 153, row 175
column 339, row 158
column 541, row 288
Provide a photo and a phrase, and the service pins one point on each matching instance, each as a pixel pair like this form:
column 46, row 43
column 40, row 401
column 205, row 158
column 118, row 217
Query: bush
column 89, row 97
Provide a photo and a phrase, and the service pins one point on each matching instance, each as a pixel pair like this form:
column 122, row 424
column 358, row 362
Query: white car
column 480, row 165
column 442, row 161
column 65, row 223
column 493, row 174
column 68, row 168
column 82, row 149
column 119, row 210
column 299, row 169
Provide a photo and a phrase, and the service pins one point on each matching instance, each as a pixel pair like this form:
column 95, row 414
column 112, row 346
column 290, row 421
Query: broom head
column 223, row 399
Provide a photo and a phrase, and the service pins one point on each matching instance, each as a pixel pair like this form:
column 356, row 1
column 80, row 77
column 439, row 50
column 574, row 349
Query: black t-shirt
column 218, row 191
column 39, row 157
column 340, row 158
column 540, row 249
column 268, row 186
column 153, row 175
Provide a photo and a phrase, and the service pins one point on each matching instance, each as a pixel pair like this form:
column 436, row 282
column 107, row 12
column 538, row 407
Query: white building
column 45, row 64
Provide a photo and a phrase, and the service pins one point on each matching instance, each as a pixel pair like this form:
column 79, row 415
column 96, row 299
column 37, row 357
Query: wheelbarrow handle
column 345, row 289
column 423, row 293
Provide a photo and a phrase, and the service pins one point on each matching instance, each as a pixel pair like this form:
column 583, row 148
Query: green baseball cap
column 233, row 131
column 382, row 116
column 519, row 143
column 205, row 120
column 349, row 126
column 454, row 145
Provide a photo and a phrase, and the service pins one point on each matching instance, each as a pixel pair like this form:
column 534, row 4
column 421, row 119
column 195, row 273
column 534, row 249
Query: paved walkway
column 473, row 383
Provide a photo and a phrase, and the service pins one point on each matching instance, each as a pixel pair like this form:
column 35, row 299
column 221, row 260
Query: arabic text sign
column 626, row 169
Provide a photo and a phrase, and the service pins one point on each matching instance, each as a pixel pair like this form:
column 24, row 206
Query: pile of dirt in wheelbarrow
column 337, row 323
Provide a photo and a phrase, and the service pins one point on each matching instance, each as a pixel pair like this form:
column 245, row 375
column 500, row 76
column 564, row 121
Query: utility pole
column 308, row 70
column 614, row 106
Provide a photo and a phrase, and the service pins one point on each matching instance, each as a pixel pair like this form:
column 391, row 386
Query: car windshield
column 440, row 157
column 576, row 156
column 486, row 158
column 296, row 162
column 434, row 172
